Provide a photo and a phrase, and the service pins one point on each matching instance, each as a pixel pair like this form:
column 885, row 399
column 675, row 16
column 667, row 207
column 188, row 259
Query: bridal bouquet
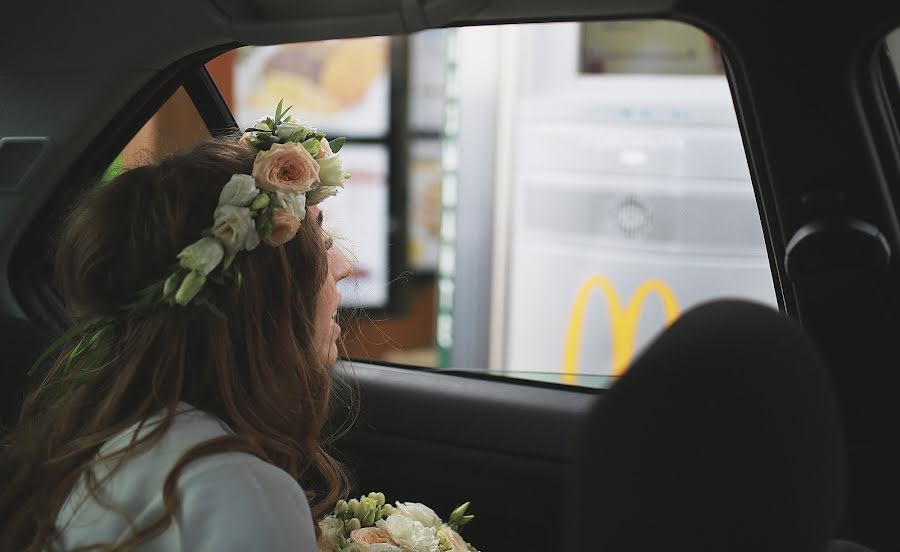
column 368, row 524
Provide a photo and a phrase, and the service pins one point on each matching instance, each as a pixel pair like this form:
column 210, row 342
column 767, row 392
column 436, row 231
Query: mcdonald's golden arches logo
column 623, row 320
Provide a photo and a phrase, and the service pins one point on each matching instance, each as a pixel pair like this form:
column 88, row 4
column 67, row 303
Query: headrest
column 723, row 436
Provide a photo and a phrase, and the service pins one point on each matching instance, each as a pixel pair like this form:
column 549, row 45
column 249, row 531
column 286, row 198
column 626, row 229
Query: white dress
column 228, row 502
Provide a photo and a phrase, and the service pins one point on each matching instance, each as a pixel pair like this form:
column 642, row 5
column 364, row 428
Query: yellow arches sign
column 623, row 322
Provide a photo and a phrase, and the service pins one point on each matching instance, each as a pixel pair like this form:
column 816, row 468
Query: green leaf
column 278, row 110
column 266, row 223
column 115, row 168
column 296, row 136
column 283, row 113
column 58, row 344
column 271, row 124
column 312, row 146
column 337, row 144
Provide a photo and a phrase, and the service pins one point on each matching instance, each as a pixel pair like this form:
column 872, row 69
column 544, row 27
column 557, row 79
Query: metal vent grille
column 18, row 157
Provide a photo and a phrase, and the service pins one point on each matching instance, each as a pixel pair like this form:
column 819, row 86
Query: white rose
column 260, row 124
column 419, row 512
column 202, row 256
column 410, row 534
column 235, row 228
column 330, row 171
column 452, row 538
column 293, row 203
column 241, row 190
column 332, row 528
column 324, row 149
column 285, row 130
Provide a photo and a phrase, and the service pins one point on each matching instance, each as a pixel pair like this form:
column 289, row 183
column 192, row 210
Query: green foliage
column 337, row 144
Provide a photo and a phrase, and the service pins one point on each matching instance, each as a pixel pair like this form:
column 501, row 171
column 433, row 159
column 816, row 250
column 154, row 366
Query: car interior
column 738, row 427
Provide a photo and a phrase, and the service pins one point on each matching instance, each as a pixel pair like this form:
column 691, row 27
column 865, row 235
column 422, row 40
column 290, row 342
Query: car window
column 175, row 126
column 531, row 200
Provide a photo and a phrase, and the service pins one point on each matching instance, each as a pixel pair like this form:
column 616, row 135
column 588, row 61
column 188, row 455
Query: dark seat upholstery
column 723, row 436
column 846, row 546
column 23, row 342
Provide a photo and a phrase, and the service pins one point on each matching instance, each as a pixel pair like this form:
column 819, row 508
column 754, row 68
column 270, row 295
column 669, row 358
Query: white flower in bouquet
column 411, row 534
column 419, row 512
column 369, row 524
column 235, row 228
column 202, row 256
column 293, row 203
column 240, row 191
column 332, row 534
column 331, row 172
column 324, row 149
column 288, row 129
column 452, row 539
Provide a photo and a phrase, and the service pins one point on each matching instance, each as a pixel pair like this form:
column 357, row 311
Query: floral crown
column 295, row 167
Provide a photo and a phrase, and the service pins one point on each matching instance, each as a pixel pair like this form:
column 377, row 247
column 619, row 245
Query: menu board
column 424, row 207
column 340, row 86
column 648, row 47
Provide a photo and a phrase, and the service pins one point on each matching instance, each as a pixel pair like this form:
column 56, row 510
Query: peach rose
column 284, row 229
column 285, row 168
column 371, row 535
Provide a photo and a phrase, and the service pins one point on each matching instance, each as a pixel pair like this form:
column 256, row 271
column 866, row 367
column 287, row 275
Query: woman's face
column 327, row 330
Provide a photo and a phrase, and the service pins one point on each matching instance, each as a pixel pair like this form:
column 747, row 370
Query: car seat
column 723, row 436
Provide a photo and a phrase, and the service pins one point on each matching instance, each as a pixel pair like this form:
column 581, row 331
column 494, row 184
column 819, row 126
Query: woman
column 193, row 399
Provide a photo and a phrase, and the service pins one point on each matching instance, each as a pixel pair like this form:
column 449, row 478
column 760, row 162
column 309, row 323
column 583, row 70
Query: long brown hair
column 258, row 370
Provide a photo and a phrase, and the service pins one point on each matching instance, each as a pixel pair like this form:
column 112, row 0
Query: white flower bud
column 171, row 284
column 352, row 505
column 261, row 202
column 202, row 256
column 340, row 507
column 320, row 194
column 189, row 288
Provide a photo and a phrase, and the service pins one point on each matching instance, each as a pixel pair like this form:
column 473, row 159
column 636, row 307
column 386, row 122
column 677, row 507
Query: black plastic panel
column 443, row 439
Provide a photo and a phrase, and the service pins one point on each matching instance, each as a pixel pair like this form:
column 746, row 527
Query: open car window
column 175, row 126
column 535, row 201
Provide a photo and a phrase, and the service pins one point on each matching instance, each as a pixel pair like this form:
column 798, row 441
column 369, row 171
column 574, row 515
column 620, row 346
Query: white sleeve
column 243, row 504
